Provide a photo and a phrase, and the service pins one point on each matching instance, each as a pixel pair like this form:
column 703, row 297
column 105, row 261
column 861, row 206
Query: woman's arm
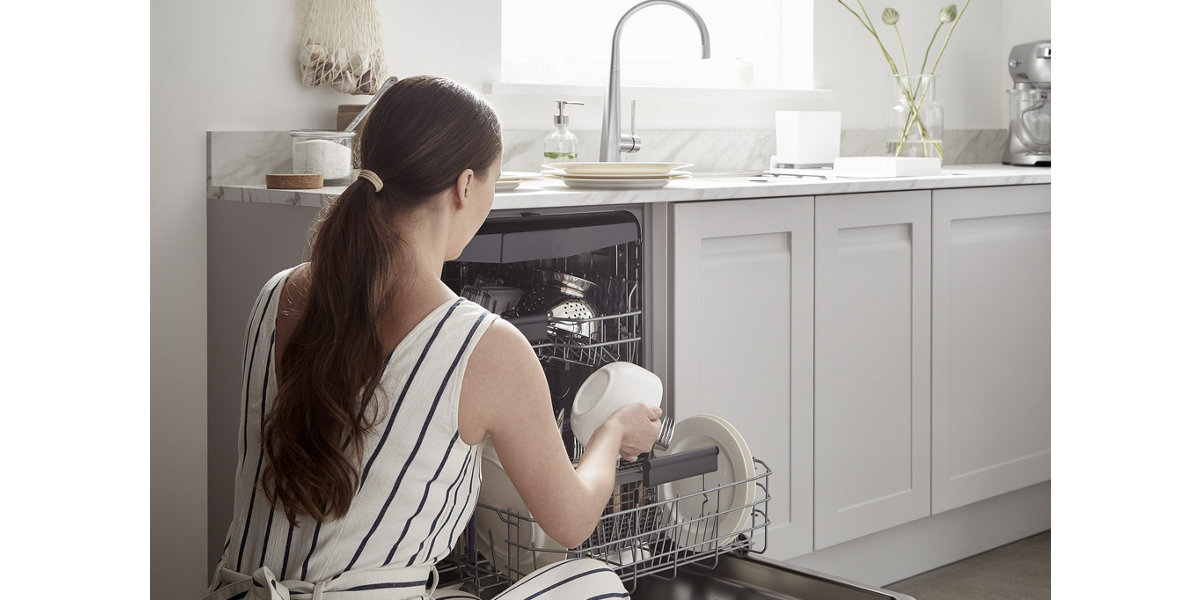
column 505, row 395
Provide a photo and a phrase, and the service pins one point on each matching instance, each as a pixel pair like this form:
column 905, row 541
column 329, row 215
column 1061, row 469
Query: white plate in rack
column 647, row 183
column 517, row 176
column 733, row 506
column 630, row 177
column 509, row 180
column 616, row 169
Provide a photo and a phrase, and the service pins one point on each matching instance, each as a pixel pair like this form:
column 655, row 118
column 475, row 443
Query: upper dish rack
column 639, row 534
column 616, row 339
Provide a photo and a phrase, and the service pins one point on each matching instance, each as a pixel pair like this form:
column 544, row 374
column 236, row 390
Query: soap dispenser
column 561, row 145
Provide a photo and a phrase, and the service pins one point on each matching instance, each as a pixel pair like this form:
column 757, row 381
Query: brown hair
column 423, row 132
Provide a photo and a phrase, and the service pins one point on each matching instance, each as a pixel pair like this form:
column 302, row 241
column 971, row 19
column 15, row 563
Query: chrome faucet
column 612, row 141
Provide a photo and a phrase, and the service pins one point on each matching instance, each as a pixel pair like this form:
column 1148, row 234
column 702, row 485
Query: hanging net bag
column 341, row 45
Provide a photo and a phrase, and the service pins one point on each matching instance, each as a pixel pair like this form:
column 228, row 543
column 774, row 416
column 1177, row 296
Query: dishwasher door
column 754, row 578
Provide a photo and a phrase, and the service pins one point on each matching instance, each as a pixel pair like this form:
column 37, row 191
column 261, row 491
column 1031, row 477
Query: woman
column 370, row 387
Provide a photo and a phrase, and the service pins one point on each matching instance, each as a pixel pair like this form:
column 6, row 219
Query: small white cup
column 609, row 389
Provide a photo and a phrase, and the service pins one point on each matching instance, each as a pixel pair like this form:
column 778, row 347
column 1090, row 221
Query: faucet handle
column 631, row 142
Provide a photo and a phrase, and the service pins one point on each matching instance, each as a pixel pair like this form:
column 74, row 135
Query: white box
column 886, row 166
column 807, row 138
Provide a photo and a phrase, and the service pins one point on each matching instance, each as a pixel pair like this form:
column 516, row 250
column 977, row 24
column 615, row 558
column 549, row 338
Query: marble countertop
column 547, row 192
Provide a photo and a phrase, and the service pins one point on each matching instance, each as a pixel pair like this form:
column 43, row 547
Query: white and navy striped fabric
column 417, row 489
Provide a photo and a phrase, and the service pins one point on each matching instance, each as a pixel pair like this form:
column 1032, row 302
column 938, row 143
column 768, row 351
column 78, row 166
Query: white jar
column 326, row 152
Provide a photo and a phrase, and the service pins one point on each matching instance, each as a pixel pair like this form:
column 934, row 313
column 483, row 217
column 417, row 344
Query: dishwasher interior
column 575, row 284
column 571, row 283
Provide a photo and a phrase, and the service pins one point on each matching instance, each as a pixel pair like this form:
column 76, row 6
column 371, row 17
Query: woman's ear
column 462, row 186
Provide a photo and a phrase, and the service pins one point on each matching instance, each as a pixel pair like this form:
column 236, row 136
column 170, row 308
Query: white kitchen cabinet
column 741, row 322
column 871, row 375
column 887, row 353
column 991, row 342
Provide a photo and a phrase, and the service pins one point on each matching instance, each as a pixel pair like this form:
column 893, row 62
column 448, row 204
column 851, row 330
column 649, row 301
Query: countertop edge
column 546, row 193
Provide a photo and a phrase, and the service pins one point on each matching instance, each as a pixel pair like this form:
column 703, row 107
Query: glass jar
column 916, row 118
column 326, row 152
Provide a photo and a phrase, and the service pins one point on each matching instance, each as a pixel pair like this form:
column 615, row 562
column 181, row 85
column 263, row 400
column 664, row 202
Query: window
column 755, row 44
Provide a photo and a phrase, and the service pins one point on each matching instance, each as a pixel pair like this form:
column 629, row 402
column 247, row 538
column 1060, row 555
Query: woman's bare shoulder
column 504, row 357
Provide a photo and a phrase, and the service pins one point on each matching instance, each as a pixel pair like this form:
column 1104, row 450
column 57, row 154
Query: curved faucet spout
column 612, row 141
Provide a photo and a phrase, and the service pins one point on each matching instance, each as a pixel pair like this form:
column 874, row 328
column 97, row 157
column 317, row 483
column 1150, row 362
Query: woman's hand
column 637, row 426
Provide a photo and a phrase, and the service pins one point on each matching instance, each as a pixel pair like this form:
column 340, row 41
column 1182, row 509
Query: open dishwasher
column 575, row 284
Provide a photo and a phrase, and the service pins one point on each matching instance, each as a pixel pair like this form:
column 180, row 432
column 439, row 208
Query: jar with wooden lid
column 324, row 152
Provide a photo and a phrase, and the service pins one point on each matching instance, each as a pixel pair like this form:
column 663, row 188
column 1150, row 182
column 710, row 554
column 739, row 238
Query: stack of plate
column 616, row 175
column 509, row 180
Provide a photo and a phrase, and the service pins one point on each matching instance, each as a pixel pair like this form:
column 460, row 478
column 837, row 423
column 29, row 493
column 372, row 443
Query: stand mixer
column 1029, row 105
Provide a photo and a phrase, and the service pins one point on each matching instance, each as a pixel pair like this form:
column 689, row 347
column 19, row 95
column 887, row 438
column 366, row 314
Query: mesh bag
column 341, row 45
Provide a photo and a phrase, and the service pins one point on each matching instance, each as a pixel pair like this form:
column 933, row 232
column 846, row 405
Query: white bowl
column 609, row 389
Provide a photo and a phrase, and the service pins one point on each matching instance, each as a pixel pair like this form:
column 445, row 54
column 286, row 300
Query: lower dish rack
column 652, row 526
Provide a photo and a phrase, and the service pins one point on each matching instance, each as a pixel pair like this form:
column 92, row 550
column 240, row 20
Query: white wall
column 229, row 65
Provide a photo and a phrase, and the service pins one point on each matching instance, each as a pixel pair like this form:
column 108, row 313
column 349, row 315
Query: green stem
column 914, row 113
column 870, row 28
column 925, row 61
column 903, row 52
column 948, row 34
column 875, row 33
column 914, row 116
column 867, row 15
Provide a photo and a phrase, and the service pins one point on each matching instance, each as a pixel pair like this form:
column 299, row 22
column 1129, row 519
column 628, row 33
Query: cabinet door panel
column 991, row 353
column 741, row 340
column 871, row 372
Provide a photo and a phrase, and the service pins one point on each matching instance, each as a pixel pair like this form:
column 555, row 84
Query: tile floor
column 1016, row 571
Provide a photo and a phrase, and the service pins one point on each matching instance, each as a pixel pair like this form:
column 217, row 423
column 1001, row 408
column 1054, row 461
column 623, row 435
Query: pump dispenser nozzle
column 562, row 118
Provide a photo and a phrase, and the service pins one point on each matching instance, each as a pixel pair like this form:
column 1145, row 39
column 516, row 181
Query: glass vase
column 915, row 127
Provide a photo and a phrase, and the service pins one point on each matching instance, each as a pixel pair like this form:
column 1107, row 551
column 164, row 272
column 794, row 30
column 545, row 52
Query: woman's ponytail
column 422, row 133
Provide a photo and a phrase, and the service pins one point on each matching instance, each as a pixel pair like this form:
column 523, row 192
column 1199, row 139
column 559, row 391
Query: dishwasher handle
column 673, row 467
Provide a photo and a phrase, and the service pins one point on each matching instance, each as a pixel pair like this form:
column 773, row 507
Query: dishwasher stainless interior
column 575, row 283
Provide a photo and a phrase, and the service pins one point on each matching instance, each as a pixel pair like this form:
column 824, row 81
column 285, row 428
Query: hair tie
column 372, row 177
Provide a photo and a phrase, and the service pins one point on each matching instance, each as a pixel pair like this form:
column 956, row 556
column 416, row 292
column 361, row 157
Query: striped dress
column 417, row 489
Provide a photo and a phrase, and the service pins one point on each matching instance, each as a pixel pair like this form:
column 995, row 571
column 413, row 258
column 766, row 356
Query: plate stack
column 616, row 175
column 509, row 180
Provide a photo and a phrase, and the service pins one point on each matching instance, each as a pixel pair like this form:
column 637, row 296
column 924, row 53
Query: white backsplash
column 742, row 151
column 244, row 157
